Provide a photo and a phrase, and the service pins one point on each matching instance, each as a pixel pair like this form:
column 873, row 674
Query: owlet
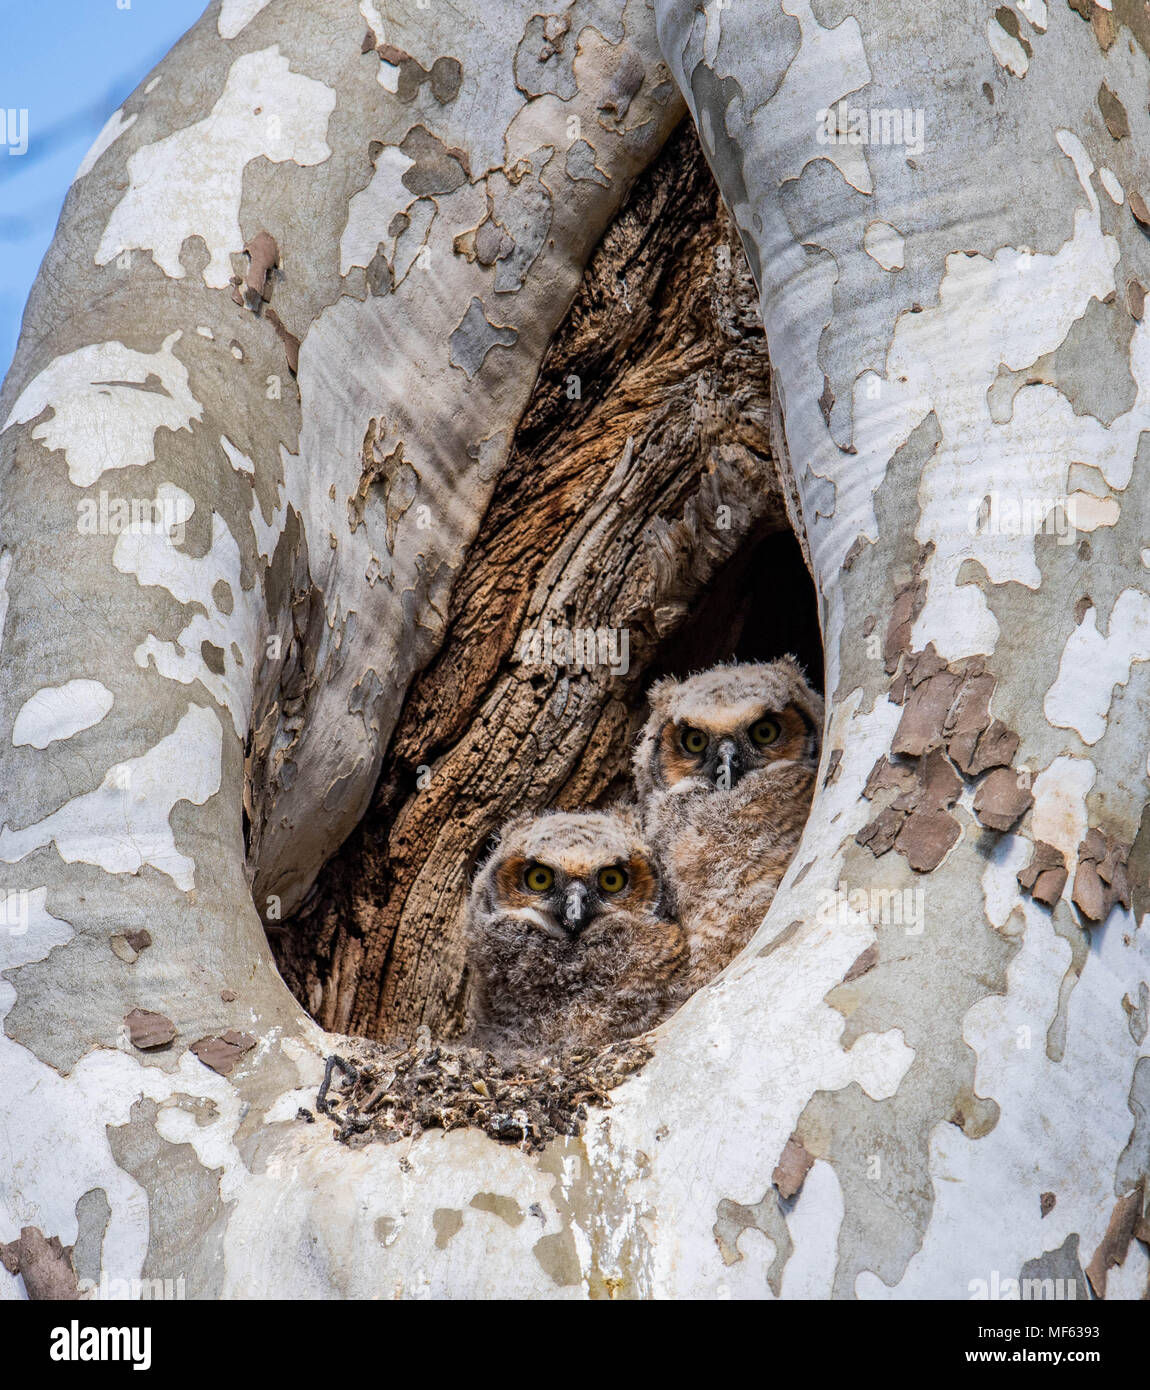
column 569, row 944
column 725, row 771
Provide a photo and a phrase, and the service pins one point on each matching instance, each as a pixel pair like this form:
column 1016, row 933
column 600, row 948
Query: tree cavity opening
column 637, row 530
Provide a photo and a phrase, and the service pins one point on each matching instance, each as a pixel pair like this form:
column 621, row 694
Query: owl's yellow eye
column 693, row 740
column 538, row 877
column 613, row 880
column 765, row 732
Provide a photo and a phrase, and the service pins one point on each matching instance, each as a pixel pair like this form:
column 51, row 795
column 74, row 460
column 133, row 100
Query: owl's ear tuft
column 794, row 669
column 628, row 813
column 805, row 695
column 511, row 827
column 520, row 821
column 659, row 695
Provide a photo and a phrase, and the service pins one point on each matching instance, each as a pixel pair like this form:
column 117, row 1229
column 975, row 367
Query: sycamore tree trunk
column 298, row 301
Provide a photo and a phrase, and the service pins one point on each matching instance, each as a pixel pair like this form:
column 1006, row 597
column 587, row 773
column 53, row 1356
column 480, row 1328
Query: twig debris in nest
column 399, row 1091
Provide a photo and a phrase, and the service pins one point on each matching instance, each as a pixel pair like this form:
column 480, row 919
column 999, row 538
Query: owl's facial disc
column 568, row 874
column 726, row 746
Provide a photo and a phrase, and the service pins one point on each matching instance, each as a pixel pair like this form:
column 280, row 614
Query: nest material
column 397, row 1092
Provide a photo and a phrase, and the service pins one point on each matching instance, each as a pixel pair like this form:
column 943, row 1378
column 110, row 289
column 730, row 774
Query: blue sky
column 68, row 65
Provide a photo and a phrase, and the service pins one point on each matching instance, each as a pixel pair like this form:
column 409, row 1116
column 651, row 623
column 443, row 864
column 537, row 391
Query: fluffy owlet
column 725, row 771
column 568, row 941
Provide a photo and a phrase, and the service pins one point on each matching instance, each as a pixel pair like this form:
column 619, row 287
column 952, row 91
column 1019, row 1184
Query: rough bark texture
column 617, row 510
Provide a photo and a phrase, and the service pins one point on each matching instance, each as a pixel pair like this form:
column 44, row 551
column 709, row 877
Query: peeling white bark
column 230, row 621
column 267, row 111
column 58, row 712
column 1092, row 665
column 104, row 413
column 126, row 822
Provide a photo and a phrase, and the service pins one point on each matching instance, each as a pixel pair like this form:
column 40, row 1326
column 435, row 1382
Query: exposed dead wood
column 634, row 505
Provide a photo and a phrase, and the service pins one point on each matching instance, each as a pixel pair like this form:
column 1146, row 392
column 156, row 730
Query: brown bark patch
column 437, row 168
column 866, row 960
column 1113, row 113
column 926, row 838
column 936, row 786
column 128, row 945
column 886, row 775
column 1000, row 801
column 444, row 75
column 287, row 338
column 1116, row 1242
column 223, row 1052
column 917, row 822
column 969, row 717
column 1045, row 876
column 1138, row 207
column 792, row 1168
column 44, row 1264
column 1101, row 21
column 905, row 609
column 387, row 1093
column 975, row 1115
column 1009, row 21
column 148, row 1030
column 1100, row 879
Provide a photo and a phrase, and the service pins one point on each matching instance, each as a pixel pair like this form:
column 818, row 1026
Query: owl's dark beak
column 729, row 765
column 576, row 908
